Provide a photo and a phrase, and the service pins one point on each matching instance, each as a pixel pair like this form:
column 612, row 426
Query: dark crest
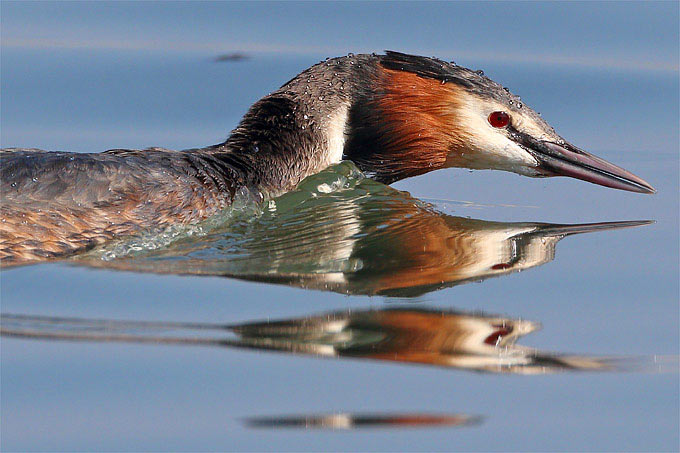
column 434, row 68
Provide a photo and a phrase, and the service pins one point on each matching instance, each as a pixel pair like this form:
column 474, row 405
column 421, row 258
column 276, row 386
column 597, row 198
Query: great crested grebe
column 393, row 115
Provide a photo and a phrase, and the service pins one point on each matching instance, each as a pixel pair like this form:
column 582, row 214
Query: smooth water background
column 87, row 77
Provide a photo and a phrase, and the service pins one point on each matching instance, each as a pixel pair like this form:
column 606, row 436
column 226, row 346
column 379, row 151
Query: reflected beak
column 567, row 160
column 551, row 229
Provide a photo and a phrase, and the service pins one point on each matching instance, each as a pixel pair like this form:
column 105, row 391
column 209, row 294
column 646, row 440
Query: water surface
column 348, row 261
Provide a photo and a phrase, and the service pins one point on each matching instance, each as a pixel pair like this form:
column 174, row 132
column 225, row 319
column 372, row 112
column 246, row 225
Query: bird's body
column 394, row 115
column 55, row 204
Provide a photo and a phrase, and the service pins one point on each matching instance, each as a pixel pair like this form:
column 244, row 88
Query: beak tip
column 567, row 160
column 645, row 187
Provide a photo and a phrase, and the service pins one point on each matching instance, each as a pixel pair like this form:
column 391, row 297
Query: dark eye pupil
column 499, row 119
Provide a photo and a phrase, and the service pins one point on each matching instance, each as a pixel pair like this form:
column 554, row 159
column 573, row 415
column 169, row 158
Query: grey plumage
column 54, row 203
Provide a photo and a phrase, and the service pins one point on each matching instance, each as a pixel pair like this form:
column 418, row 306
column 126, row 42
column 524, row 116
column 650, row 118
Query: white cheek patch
column 493, row 149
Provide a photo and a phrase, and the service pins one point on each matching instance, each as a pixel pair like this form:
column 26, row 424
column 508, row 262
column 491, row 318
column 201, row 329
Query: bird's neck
column 387, row 122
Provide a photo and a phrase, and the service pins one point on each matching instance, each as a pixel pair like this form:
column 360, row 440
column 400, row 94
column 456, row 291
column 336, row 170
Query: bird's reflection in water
column 341, row 232
column 466, row 341
column 344, row 421
column 442, row 338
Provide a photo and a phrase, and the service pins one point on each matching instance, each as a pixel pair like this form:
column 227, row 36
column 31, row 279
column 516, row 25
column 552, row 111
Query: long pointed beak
column 567, row 160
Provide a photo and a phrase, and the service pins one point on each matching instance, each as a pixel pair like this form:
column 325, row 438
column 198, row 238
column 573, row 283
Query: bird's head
column 424, row 114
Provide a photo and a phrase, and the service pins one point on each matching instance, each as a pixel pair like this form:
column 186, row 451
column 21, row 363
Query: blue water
column 92, row 77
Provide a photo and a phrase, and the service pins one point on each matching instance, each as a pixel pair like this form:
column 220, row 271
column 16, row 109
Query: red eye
column 499, row 119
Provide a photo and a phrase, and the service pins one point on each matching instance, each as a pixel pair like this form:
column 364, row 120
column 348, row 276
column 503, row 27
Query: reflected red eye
column 499, row 119
column 495, row 337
